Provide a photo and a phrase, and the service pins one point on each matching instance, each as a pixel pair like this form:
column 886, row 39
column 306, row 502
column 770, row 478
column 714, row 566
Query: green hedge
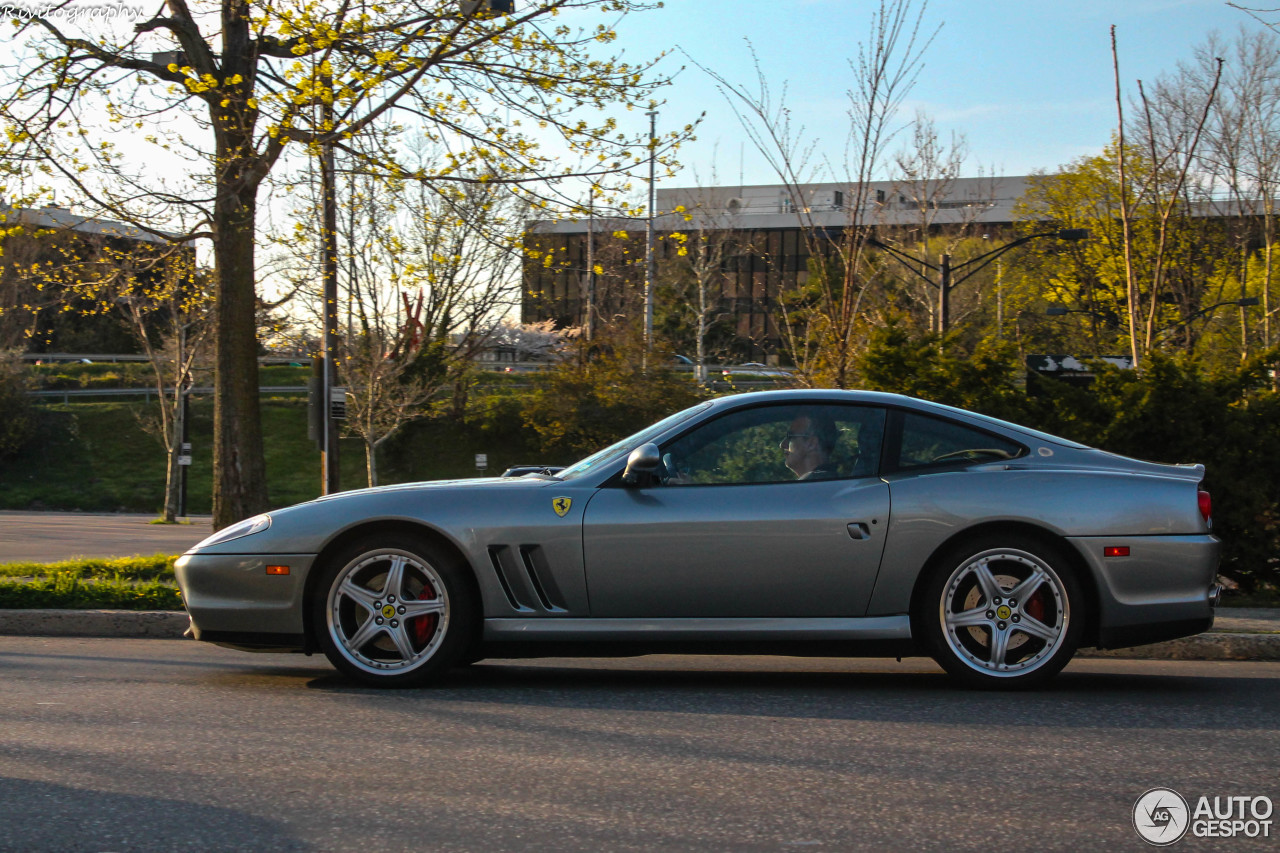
column 125, row 583
column 1173, row 411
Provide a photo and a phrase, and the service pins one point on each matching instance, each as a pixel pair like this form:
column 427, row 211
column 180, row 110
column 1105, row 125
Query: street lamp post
column 947, row 272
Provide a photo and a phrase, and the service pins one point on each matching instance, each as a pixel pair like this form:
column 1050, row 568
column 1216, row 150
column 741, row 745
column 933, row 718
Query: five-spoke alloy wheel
column 392, row 610
column 1002, row 612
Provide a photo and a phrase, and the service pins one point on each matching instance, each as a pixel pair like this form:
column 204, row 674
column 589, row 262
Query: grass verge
column 124, row 583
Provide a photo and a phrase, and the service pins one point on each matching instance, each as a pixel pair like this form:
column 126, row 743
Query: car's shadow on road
column 912, row 691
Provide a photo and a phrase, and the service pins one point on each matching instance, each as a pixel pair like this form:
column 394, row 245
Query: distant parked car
column 794, row 522
column 521, row 470
column 755, row 369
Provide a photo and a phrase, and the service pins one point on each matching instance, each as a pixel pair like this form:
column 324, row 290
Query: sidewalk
column 1238, row 633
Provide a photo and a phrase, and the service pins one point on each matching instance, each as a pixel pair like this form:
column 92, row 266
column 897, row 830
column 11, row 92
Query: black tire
column 1002, row 612
column 399, row 637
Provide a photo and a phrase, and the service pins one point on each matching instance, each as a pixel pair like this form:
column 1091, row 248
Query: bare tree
column 167, row 307
column 1171, row 149
column 1242, row 149
column 712, row 240
column 821, row 320
column 429, row 273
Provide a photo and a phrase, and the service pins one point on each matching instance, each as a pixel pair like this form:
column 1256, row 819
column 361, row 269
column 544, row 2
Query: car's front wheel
column 393, row 611
column 1002, row 612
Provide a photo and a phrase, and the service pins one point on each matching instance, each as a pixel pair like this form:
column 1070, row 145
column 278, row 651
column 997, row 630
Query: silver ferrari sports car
column 790, row 522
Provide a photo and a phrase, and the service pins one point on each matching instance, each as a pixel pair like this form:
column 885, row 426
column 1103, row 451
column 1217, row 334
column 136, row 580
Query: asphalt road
column 113, row 745
column 48, row 536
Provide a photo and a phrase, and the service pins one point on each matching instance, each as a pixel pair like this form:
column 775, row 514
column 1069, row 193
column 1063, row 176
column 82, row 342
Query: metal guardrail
column 68, row 394
column 79, row 393
column 112, row 358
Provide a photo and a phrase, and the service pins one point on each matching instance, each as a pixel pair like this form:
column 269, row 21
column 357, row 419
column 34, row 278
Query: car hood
column 468, row 483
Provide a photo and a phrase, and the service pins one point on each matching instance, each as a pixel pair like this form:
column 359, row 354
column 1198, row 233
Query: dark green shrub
column 18, row 423
column 1172, row 411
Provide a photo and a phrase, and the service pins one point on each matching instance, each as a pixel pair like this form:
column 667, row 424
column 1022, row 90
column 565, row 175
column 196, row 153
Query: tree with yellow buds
column 238, row 86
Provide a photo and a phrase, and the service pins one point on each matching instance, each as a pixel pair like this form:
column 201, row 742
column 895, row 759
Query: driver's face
column 798, row 446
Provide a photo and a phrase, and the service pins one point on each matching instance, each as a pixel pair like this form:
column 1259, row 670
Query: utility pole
column 649, row 274
column 944, row 294
column 591, row 264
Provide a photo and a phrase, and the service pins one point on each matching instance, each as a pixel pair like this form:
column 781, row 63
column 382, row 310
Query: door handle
column 859, row 530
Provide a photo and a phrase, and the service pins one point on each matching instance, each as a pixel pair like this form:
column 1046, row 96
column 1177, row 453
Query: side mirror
column 641, row 465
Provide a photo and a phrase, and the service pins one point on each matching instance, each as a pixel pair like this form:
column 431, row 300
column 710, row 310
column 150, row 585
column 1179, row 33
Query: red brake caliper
column 425, row 626
column 1035, row 607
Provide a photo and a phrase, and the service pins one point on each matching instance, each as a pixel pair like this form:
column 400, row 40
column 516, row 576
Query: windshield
column 631, row 442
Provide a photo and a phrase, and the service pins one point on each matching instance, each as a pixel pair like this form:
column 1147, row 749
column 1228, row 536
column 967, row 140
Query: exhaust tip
column 1215, row 595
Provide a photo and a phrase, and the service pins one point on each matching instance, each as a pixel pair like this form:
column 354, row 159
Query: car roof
column 882, row 398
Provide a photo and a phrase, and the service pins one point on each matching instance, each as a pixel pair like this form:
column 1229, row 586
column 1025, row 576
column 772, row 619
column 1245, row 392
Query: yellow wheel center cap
column 388, row 611
column 1003, row 611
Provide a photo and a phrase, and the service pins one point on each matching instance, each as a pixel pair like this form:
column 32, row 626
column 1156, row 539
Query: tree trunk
column 371, row 462
column 174, row 472
column 239, row 469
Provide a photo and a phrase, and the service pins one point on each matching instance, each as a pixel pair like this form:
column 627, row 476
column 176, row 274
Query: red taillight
column 1206, row 505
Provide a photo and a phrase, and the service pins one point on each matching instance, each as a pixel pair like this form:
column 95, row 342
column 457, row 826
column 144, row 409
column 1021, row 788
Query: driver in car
column 808, row 445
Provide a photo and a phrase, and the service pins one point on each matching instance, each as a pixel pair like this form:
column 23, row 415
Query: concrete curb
column 1264, row 647
column 169, row 625
column 151, row 624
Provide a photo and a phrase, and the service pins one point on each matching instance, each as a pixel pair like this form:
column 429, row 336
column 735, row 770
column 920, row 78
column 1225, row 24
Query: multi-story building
column 52, row 262
column 761, row 251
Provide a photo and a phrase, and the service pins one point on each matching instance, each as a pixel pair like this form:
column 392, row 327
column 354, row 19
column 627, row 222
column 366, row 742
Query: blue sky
column 1029, row 82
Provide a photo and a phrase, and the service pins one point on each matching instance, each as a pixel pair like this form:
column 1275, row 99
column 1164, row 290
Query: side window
column 778, row 444
column 931, row 441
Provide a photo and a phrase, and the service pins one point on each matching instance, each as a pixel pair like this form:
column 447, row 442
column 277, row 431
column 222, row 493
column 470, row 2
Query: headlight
column 240, row 529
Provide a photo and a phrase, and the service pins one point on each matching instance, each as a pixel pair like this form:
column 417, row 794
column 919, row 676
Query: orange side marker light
column 277, row 570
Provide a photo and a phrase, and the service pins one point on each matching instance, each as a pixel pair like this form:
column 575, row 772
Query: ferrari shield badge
column 561, row 505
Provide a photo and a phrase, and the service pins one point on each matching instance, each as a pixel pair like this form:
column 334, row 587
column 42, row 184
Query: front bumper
column 233, row 601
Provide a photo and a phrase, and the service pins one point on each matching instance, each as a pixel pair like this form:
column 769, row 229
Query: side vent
column 540, row 577
column 499, row 554
column 528, row 584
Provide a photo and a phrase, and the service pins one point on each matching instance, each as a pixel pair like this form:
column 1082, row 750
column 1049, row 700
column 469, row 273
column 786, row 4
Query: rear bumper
column 1164, row 589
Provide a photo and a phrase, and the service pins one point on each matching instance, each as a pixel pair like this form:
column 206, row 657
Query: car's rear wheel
column 1002, row 612
column 393, row 611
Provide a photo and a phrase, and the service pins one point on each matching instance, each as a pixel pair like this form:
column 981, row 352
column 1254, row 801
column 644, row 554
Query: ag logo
column 561, row 506
column 1161, row 816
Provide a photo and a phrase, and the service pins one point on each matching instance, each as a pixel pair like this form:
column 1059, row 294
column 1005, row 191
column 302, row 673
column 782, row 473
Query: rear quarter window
column 930, row 441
